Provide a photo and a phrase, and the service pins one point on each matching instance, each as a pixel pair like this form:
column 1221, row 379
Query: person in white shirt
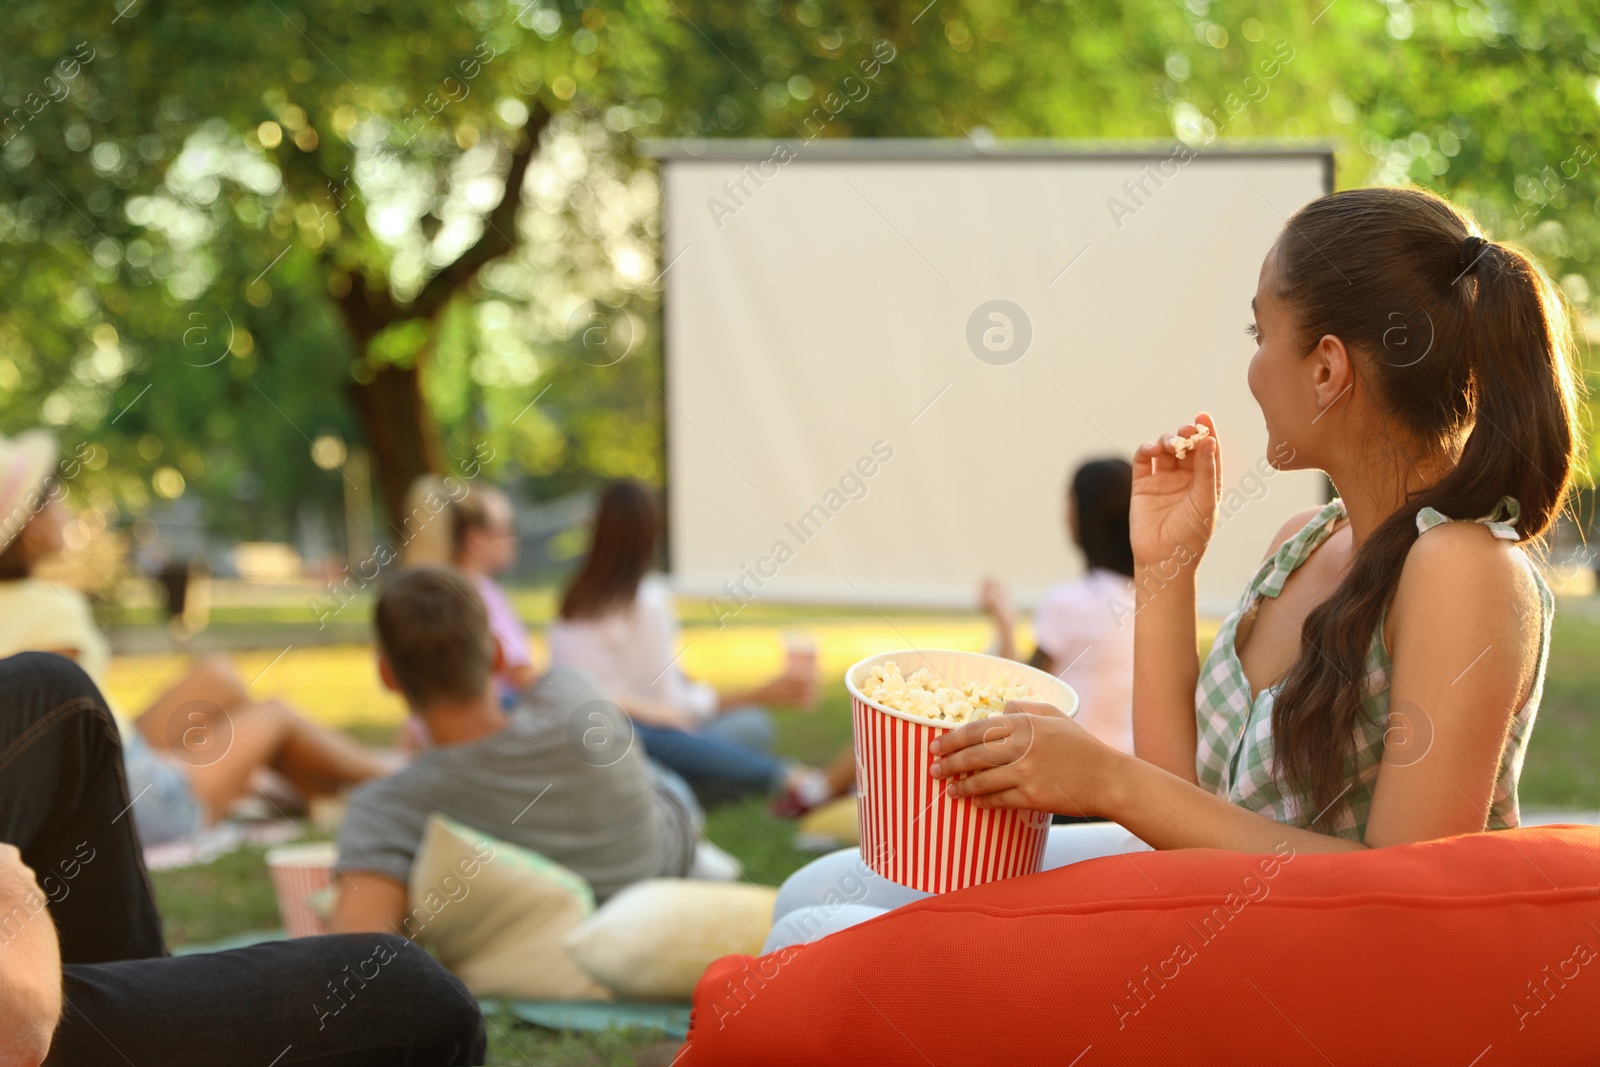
column 1084, row 629
column 618, row 625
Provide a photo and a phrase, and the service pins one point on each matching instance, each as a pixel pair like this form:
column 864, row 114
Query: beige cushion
column 495, row 914
column 836, row 823
column 653, row 940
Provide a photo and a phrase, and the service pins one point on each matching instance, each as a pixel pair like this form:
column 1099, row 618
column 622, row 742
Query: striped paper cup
column 912, row 831
column 299, row 873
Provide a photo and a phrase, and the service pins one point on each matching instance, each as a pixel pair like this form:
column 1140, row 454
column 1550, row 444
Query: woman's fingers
column 1208, row 453
column 1154, row 456
column 993, row 780
column 1032, row 707
column 1005, row 798
column 996, row 742
column 1165, row 446
column 1168, row 451
column 977, row 758
column 982, row 731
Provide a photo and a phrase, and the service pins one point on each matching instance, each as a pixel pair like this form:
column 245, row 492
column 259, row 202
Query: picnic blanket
column 218, row 841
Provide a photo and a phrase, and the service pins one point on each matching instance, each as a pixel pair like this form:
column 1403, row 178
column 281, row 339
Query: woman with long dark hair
column 1083, row 629
column 1378, row 681
column 617, row 623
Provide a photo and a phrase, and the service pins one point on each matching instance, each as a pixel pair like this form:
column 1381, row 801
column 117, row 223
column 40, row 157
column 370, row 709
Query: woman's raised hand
column 1174, row 505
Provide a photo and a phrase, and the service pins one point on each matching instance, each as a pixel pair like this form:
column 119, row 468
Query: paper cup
column 800, row 661
column 912, row 831
column 299, row 873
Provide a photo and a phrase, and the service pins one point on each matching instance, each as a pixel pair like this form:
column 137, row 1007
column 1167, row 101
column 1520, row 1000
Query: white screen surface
column 825, row 318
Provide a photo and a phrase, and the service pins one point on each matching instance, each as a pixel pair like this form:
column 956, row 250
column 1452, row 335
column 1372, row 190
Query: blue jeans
column 64, row 804
column 727, row 758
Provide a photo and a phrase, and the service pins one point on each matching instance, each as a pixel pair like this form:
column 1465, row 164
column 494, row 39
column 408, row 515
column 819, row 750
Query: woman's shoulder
column 1445, row 553
column 1297, row 522
column 650, row 609
column 1463, row 567
column 654, row 593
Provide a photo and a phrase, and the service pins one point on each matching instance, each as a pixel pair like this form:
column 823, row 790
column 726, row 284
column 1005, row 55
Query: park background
column 263, row 263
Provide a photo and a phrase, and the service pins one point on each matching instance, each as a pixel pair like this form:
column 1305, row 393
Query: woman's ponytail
column 1524, row 399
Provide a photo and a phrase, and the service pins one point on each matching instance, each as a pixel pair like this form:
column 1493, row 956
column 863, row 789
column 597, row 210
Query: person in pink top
column 1084, row 629
column 483, row 545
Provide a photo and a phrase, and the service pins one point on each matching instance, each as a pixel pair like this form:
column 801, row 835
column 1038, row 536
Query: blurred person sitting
column 198, row 748
column 84, row 971
column 483, row 546
column 618, row 624
column 451, row 523
column 585, row 798
column 1083, row 630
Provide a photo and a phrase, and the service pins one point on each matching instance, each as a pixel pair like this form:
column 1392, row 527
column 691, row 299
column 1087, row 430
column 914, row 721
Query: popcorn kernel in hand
column 1182, row 446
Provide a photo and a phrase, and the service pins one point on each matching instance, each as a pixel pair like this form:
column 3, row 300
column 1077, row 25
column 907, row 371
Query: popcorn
column 936, row 699
column 1182, row 446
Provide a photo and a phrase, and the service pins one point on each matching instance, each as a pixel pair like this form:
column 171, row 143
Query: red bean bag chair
column 1475, row 951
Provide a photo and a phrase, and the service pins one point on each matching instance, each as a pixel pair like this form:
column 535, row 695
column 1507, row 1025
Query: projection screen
column 883, row 359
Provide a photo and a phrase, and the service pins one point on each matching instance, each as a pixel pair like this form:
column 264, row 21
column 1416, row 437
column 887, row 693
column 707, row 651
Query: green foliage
column 1563, row 764
column 171, row 172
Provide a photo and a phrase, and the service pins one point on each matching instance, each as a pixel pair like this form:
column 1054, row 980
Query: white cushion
column 653, row 940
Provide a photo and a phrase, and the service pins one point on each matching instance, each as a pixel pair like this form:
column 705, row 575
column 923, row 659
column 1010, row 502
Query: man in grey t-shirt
column 556, row 775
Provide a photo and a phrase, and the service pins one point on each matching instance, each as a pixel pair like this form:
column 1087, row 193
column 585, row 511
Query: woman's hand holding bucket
column 1032, row 757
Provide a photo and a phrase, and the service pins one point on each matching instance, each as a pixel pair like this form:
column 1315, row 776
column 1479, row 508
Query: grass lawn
column 338, row 685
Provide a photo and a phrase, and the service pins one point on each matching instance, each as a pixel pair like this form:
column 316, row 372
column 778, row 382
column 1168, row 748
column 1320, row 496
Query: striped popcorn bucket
column 912, row 831
column 300, row 873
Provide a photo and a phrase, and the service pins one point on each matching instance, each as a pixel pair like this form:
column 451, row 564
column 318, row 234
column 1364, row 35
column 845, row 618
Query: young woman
column 618, row 625
column 1084, row 629
column 198, row 747
column 1379, row 679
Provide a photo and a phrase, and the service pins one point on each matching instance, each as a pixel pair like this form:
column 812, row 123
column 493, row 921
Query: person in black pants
column 73, row 881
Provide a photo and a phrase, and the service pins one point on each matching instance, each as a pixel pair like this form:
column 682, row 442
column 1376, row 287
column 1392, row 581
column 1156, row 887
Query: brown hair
column 627, row 525
column 16, row 560
column 469, row 511
column 1495, row 364
column 433, row 629
column 1103, row 490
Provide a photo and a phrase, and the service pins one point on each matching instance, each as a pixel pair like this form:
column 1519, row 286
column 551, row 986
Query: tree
column 362, row 194
column 388, row 392
column 261, row 138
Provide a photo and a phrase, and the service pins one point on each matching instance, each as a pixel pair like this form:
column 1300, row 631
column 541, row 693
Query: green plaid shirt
column 1235, row 757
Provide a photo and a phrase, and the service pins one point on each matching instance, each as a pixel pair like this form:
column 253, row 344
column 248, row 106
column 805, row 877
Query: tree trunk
column 400, row 432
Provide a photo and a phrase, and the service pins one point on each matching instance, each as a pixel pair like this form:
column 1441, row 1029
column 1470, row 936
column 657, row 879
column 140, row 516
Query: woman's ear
column 1331, row 371
column 386, row 674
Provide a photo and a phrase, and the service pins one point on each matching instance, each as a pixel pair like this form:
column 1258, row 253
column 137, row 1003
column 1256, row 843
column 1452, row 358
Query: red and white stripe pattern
column 913, row 832
column 299, row 872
